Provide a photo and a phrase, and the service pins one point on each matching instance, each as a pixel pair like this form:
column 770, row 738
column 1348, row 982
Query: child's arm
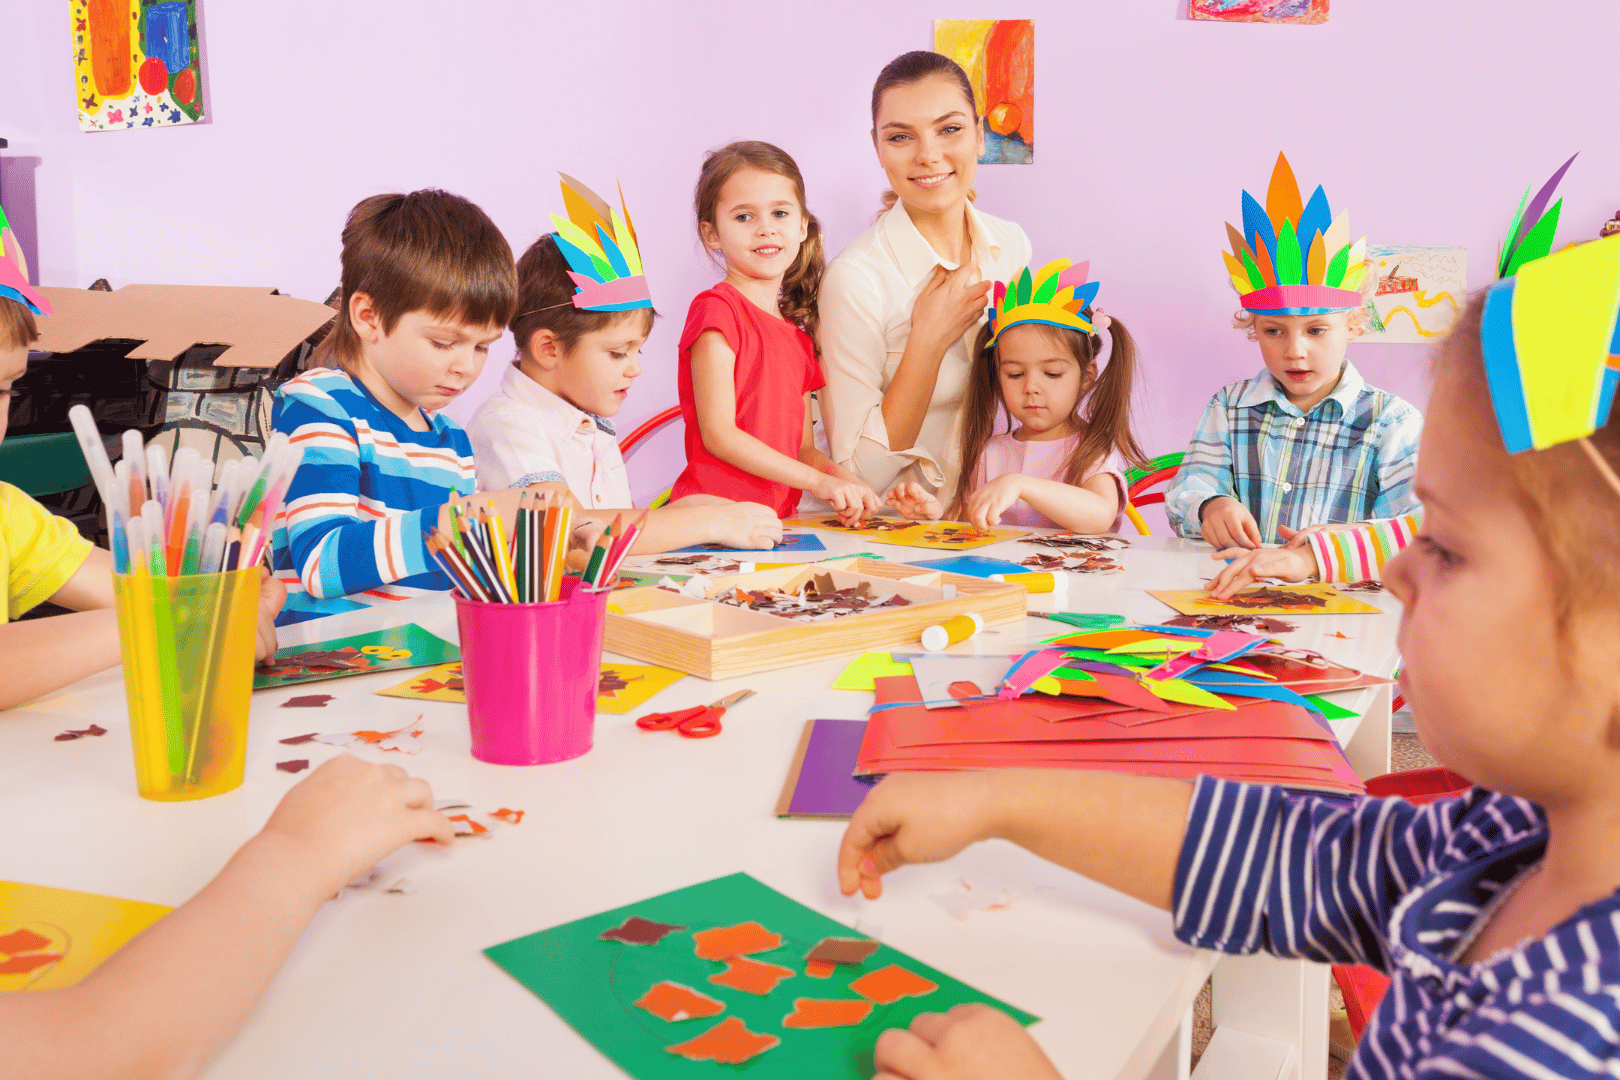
column 860, row 501
column 1201, row 501
column 1333, row 553
column 682, row 524
column 1089, row 508
column 165, row 1004
column 714, row 389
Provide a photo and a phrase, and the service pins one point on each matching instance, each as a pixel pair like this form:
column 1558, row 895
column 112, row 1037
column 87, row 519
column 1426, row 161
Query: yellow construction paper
column 1563, row 322
column 1199, row 602
column 1047, row 684
column 443, row 683
column 869, row 666
column 933, row 535
column 82, row 928
column 1185, row 693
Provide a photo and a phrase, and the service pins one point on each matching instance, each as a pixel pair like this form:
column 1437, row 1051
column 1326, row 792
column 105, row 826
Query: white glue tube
column 1042, row 581
column 951, row 631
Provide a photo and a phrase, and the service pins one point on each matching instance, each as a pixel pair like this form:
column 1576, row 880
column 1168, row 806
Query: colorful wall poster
column 136, row 63
column 1265, row 11
column 999, row 58
column 1421, row 291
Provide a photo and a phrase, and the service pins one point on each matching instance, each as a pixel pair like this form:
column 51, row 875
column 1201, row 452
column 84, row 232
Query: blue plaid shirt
column 1350, row 459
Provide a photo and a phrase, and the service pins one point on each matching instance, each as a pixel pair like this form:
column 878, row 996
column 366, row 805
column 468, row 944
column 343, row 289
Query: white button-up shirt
column 526, row 435
column 866, row 301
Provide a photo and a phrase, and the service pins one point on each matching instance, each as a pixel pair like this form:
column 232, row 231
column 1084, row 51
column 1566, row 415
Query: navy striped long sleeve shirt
column 1405, row 889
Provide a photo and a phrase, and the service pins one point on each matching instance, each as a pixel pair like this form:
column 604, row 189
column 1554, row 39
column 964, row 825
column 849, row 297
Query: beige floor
column 1405, row 753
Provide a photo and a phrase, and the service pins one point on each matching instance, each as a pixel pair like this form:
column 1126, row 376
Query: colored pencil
column 599, row 554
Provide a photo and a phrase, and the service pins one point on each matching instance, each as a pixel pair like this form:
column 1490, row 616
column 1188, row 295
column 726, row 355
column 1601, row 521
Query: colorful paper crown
column 606, row 266
column 13, row 285
column 1057, row 295
column 1294, row 259
column 1551, row 331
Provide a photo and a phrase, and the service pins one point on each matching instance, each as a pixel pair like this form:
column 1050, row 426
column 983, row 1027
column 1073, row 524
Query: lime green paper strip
column 869, row 666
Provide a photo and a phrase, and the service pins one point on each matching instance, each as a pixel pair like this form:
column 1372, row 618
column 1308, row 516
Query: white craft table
column 386, row 984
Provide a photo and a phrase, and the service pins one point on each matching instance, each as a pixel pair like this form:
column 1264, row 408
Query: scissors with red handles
column 698, row 722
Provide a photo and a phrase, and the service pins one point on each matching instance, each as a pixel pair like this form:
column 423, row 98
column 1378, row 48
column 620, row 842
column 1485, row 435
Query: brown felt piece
column 296, row 739
column 638, row 931
column 307, row 701
column 839, row 950
column 296, row 766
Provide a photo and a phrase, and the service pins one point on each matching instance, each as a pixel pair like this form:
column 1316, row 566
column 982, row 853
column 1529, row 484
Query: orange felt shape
column 751, row 976
column 728, row 1043
column 820, row 969
column 673, row 1002
column 814, row 1013
column 728, row 941
column 888, row 985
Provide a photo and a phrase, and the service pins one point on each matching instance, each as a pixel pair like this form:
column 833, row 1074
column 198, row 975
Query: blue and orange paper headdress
column 600, row 246
column 13, row 285
column 1057, row 295
column 1295, row 258
column 1550, row 332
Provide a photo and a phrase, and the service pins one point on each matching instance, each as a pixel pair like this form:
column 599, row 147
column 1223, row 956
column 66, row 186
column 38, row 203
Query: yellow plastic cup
column 188, row 644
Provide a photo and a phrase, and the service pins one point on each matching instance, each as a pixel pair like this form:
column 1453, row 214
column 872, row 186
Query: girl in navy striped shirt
column 1497, row 914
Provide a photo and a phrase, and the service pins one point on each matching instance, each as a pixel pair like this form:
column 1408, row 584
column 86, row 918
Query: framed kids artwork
column 1421, row 291
column 999, row 58
column 136, row 63
column 1261, row 11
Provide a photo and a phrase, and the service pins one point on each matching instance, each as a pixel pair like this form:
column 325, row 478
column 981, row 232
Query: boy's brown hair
column 17, row 325
column 546, row 301
column 427, row 251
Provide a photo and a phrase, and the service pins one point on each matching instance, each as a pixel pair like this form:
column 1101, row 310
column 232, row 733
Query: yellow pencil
column 503, row 554
column 558, row 564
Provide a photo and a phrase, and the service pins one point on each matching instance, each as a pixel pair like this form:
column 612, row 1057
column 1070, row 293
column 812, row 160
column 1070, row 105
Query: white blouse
column 866, row 300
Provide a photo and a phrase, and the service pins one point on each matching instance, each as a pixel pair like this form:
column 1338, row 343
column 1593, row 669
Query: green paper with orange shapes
column 617, row 992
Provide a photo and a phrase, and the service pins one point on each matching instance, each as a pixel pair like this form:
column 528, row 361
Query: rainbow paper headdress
column 1551, row 331
column 13, row 285
column 1057, row 295
column 1293, row 258
column 600, row 246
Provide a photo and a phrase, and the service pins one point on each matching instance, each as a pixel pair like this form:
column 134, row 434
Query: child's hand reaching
column 1227, row 523
column 989, row 501
column 347, row 815
column 914, row 502
column 747, row 525
column 971, row 1042
column 272, row 595
column 851, row 498
column 1248, row 566
column 914, row 818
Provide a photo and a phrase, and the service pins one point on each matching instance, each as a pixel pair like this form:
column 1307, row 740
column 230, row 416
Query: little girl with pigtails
column 1041, row 360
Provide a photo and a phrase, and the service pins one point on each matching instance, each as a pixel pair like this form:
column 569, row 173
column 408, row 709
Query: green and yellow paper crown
column 1550, row 332
column 1294, row 258
column 606, row 267
column 1057, row 295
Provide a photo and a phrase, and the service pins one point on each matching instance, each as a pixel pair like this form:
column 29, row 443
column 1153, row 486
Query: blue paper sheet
column 792, row 541
column 972, row 565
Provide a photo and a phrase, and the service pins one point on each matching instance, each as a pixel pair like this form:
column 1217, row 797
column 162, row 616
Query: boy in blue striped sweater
column 428, row 285
column 1496, row 914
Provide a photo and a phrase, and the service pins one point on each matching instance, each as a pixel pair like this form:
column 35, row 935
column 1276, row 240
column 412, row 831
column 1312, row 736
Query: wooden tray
column 717, row 641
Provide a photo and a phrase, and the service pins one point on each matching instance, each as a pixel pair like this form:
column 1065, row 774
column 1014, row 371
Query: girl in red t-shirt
column 748, row 362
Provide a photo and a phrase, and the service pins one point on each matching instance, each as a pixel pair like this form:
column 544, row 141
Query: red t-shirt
column 776, row 367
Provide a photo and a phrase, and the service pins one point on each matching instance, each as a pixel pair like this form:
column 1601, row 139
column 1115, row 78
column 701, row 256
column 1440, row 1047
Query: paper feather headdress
column 1550, row 332
column 1057, row 295
column 600, row 245
column 13, row 285
column 1294, row 258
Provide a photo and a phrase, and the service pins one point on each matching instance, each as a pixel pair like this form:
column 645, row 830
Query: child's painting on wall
column 1421, row 291
column 1266, row 11
column 999, row 58
column 136, row 63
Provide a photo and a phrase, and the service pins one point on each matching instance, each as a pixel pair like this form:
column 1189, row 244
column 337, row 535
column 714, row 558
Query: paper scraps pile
column 704, row 564
column 817, row 600
column 1271, row 597
column 1368, row 586
column 1073, row 562
column 349, row 659
column 1254, row 624
column 407, row 740
column 1157, row 701
column 1080, row 541
column 465, row 826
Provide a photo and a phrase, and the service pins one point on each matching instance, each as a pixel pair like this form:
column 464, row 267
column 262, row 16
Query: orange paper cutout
column 728, row 1043
column 510, row 816
column 813, row 1013
column 820, row 969
column 728, row 941
column 751, row 976
column 673, row 1002
column 470, row 823
column 888, row 985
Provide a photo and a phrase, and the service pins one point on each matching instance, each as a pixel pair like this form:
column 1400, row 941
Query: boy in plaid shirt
column 1306, row 441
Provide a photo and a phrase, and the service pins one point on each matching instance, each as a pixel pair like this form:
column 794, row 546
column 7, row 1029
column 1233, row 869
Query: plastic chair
column 1160, row 470
column 1363, row 987
column 44, row 464
column 649, row 427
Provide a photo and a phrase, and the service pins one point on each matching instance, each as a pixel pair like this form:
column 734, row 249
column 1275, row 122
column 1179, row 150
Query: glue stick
column 1039, row 582
column 951, row 631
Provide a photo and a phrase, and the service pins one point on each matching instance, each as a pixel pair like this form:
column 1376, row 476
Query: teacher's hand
column 947, row 308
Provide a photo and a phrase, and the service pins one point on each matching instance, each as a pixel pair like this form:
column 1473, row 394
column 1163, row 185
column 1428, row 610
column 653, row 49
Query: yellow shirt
column 38, row 552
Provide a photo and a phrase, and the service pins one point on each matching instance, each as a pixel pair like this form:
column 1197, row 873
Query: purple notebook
column 821, row 783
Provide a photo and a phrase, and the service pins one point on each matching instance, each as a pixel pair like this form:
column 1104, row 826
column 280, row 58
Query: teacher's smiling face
column 928, row 141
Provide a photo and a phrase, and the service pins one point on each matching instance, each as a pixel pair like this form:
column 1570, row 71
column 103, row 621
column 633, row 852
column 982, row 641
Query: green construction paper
column 1328, row 710
column 593, row 984
column 869, row 666
column 1289, row 266
column 1047, row 289
column 1101, row 656
column 1336, row 268
column 426, row 651
column 1538, row 241
column 1256, row 279
column 1026, row 288
column 1513, row 230
column 1086, row 620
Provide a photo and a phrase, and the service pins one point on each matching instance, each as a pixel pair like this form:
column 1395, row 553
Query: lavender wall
column 1425, row 118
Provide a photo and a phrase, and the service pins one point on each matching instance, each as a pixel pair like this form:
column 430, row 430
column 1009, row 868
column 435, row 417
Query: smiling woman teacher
column 900, row 304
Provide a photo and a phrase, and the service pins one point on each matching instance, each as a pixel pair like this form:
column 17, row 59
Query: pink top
column 1047, row 460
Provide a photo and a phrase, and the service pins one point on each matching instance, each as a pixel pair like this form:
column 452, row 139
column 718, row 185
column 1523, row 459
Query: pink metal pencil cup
column 531, row 675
